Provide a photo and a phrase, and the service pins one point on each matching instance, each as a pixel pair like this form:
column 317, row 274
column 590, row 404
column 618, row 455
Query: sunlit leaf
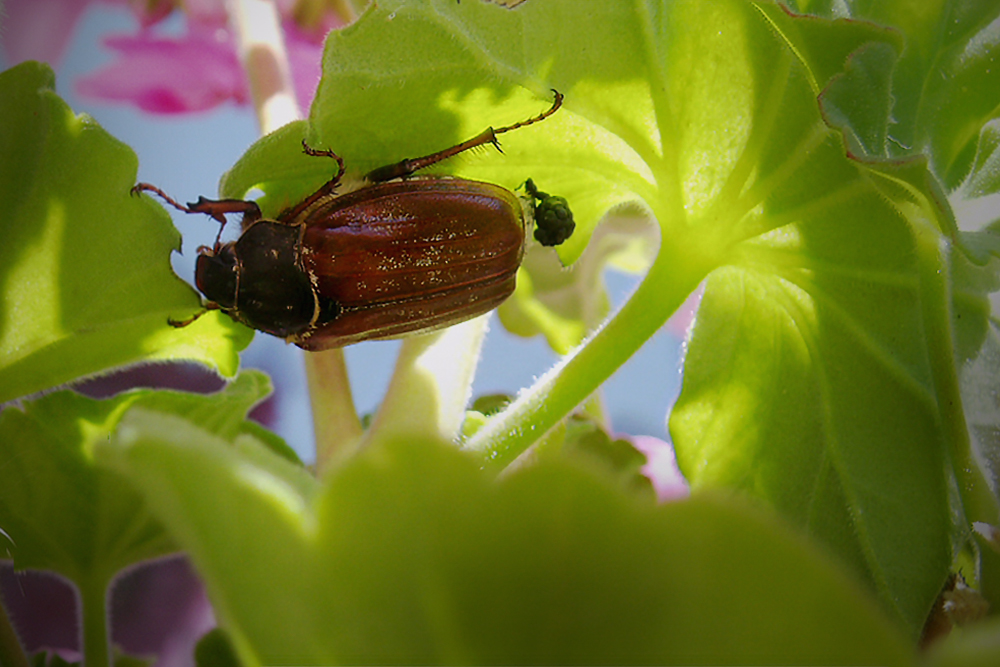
column 550, row 566
column 84, row 267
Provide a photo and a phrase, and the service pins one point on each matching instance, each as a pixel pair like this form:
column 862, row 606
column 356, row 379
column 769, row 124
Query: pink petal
column 39, row 29
column 210, row 13
column 661, row 466
column 163, row 75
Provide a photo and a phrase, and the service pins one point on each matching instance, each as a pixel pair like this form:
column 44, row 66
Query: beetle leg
column 556, row 103
column 488, row 136
column 326, row 189
column 180, row 324
column 315, row 152
column 146, row 187
column 214, row 208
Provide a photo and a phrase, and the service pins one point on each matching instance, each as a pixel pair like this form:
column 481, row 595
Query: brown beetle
column 401, row 255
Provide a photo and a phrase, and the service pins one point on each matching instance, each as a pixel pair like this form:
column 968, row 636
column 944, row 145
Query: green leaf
column 243, row 522
column 977, row 352
column 825, row 47
column 984, row 178
column 62, row 513
column 585, row 441
column 410, row 554
column 275, row 163
column 859, row 101
column 947, row 84
column 66, row 515
column 819, row 373
column 85, row 271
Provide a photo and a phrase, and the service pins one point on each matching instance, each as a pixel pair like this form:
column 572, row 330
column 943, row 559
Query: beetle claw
column 180, row 324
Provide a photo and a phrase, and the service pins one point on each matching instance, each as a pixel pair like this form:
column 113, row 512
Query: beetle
column 402, row 254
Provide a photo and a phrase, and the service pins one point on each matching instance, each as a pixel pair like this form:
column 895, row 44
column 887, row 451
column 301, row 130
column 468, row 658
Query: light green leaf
column 85, row 271
column 817, row 376
column 825, row 47
column 65, row 514
column 411, row 554
column 977, row 352
column 62, row 513
column 242, row 514
column 859, row 101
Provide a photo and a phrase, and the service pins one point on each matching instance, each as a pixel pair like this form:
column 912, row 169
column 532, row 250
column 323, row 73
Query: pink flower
column 661, row 466
column 171, row 75
column 197, row 71
column 167, row 75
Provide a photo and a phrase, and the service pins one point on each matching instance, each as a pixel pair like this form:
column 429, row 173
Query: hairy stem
column 672, row 277
column 335, row 420
column 431, row 384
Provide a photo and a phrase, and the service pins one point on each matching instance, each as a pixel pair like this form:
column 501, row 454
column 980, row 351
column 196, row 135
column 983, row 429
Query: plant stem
column 431, row 384
column 265, row 59
column 676, row 272
column 11, row 651
column 262, row 50
column 335, row 420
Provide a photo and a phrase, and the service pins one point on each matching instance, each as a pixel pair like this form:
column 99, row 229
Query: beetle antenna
column 487, row 136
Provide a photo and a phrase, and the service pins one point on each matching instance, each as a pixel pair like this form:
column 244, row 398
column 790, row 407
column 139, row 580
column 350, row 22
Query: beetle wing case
column 409, row 256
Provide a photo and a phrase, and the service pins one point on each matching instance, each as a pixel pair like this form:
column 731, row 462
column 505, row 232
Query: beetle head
column 258, row 281
column 217, row 275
